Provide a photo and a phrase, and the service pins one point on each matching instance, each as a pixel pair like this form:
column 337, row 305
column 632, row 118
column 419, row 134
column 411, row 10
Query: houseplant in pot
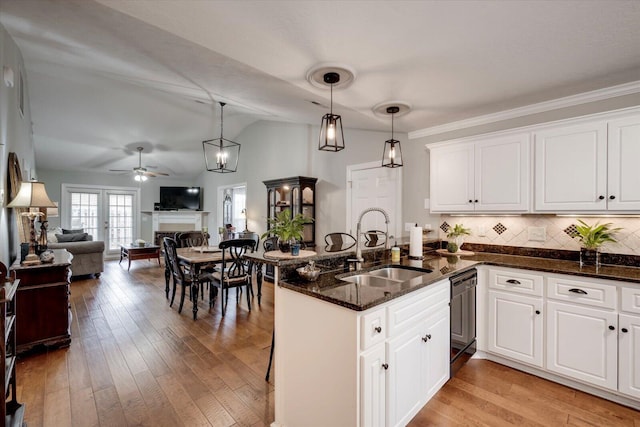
column 591, row 238
column 288, row 228
column 455, row 236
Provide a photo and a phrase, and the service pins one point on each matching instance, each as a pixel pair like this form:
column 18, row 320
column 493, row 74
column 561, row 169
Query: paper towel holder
column 416, row 257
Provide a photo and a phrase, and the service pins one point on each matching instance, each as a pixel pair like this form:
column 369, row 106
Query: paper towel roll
column 415, row 242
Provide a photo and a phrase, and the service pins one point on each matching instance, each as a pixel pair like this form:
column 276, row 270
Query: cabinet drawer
column 515, row 281
column 582, row 292
column 630, row 300
column 373, row 328
column 404, row 314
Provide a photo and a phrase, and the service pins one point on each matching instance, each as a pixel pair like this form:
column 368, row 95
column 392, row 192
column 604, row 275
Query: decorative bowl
column 308, row 274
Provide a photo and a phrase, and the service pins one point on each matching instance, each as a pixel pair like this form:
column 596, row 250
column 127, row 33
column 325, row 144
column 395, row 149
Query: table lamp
column 32, row 196
column 243, row 214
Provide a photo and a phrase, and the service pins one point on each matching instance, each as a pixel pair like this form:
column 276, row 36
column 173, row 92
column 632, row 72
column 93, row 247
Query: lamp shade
column 32, row 194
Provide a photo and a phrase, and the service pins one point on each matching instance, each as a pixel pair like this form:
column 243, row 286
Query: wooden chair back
column 189, row 239
column 172, row 260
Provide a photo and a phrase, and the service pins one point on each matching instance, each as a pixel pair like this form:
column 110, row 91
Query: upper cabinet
column 590, row 166
column 483, row 175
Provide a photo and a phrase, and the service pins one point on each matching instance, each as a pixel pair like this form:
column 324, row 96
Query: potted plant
column 591, row 238
column 456, row 233
column 288, row 228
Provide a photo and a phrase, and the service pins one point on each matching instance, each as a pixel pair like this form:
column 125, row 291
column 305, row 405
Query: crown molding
column 569, row 101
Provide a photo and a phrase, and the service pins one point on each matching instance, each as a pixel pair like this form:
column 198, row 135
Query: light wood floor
column 135, row 361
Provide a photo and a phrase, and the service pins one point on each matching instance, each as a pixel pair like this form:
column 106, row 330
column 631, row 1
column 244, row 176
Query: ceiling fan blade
column 119, row 170
column 154, row 174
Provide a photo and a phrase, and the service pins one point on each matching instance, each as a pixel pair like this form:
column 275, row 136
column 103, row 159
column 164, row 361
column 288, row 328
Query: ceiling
column 108, row 76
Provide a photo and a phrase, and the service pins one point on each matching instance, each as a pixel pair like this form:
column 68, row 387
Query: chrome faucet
column 387, row 244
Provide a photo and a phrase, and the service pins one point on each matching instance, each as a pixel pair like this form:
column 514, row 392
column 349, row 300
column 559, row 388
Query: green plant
column 287, row 227
column 593, row 236
column 457, row 231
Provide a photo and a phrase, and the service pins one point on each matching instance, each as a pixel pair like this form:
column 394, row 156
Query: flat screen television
column 174, row 198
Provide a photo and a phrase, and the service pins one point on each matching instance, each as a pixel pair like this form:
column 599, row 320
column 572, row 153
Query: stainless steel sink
column 396, row 273
column 385, row 277
column 371, row 281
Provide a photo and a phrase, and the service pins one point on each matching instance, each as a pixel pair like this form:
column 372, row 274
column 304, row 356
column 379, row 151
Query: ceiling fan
column 139, row 173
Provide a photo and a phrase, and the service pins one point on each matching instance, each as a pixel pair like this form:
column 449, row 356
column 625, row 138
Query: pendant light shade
column 331, row 135
column 221, row 155
column 392, row 153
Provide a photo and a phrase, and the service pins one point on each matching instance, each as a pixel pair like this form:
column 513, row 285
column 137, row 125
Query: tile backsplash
column 542, row 231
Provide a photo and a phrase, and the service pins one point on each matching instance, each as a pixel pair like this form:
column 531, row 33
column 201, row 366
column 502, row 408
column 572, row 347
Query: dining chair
column 344, row 240
column 234, row 272
column 189, row 239
column 180, row 277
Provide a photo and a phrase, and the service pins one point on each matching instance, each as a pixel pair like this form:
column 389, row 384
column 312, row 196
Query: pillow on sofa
column 78, row 231
column 51, row 235
column 72, row 237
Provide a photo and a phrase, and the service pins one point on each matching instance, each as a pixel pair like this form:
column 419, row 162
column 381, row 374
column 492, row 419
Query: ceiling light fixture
column 331, row 135
column 392, row 153
column 221, row 155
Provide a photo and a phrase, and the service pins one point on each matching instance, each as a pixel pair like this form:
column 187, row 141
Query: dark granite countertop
column 329, row 286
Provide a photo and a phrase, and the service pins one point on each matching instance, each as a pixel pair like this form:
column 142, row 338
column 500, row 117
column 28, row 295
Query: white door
column 373, row 387
column 502, row 174
column 571, row 168
column 374, row 186
column 452, row 178
column 629, row 355
column 623, row 171
column 110, row 214
column 582, row 343
column 515, row 327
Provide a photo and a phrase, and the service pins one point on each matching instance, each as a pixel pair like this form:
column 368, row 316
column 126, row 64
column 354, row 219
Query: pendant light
column 392, row 153
column 221, row 155
column 331, row 135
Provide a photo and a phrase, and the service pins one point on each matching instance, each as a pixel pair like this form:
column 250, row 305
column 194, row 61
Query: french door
column 110, row 214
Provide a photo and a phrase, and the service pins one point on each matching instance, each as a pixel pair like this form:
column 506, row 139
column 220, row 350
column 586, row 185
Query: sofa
column 87, row 253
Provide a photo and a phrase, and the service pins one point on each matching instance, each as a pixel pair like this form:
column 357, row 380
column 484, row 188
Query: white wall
column 273, row 150
column 15, row 136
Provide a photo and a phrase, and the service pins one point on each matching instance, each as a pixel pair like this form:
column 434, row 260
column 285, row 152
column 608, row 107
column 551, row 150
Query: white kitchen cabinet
column 571, row 167
column 582, row 343
column 418, row 366
column 629, row 355
column 590, row 166
column 516, row 327
column 483, row 175
column 373, row 387
column 341, row 367
column 623, row 172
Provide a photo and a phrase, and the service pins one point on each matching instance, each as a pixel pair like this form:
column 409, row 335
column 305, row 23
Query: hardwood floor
column 134, row 360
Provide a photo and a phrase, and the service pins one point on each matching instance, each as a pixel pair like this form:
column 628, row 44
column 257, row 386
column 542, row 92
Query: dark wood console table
column 42, row 305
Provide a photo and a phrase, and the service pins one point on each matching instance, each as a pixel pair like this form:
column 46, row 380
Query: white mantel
column 178, row 220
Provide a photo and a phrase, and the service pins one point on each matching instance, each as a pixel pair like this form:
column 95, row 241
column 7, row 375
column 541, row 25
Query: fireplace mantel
column 178, row 220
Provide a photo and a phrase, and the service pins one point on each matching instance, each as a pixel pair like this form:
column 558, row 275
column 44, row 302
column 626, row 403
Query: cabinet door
column 623, row 171
column 438, row 355
column 582, row 343
column 452, row 178
column 629, row 355
column 570, row 168
column 515, row 327
column 406, row 376
column 373, row 387
column 502, row 174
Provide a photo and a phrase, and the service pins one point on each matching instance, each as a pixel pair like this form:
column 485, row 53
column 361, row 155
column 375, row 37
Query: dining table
column 195, row 258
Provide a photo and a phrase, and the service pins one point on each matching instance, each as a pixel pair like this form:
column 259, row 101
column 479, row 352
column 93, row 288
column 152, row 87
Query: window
column 84, row 212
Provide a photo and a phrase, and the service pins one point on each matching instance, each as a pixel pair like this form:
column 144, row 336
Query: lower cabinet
column 418, row 365
column 516, row 327
column 373, row 388
column 629, row 355
column 582, row 343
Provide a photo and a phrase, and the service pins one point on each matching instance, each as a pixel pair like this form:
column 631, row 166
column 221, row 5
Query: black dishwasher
column 463, row 318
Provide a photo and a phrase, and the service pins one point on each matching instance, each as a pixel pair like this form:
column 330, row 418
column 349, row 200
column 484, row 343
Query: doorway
column 370, row 185
column 232, row 203
column 110, row 214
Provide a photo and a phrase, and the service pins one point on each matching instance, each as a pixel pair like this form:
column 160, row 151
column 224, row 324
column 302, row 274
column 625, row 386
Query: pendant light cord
column 222, row 104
